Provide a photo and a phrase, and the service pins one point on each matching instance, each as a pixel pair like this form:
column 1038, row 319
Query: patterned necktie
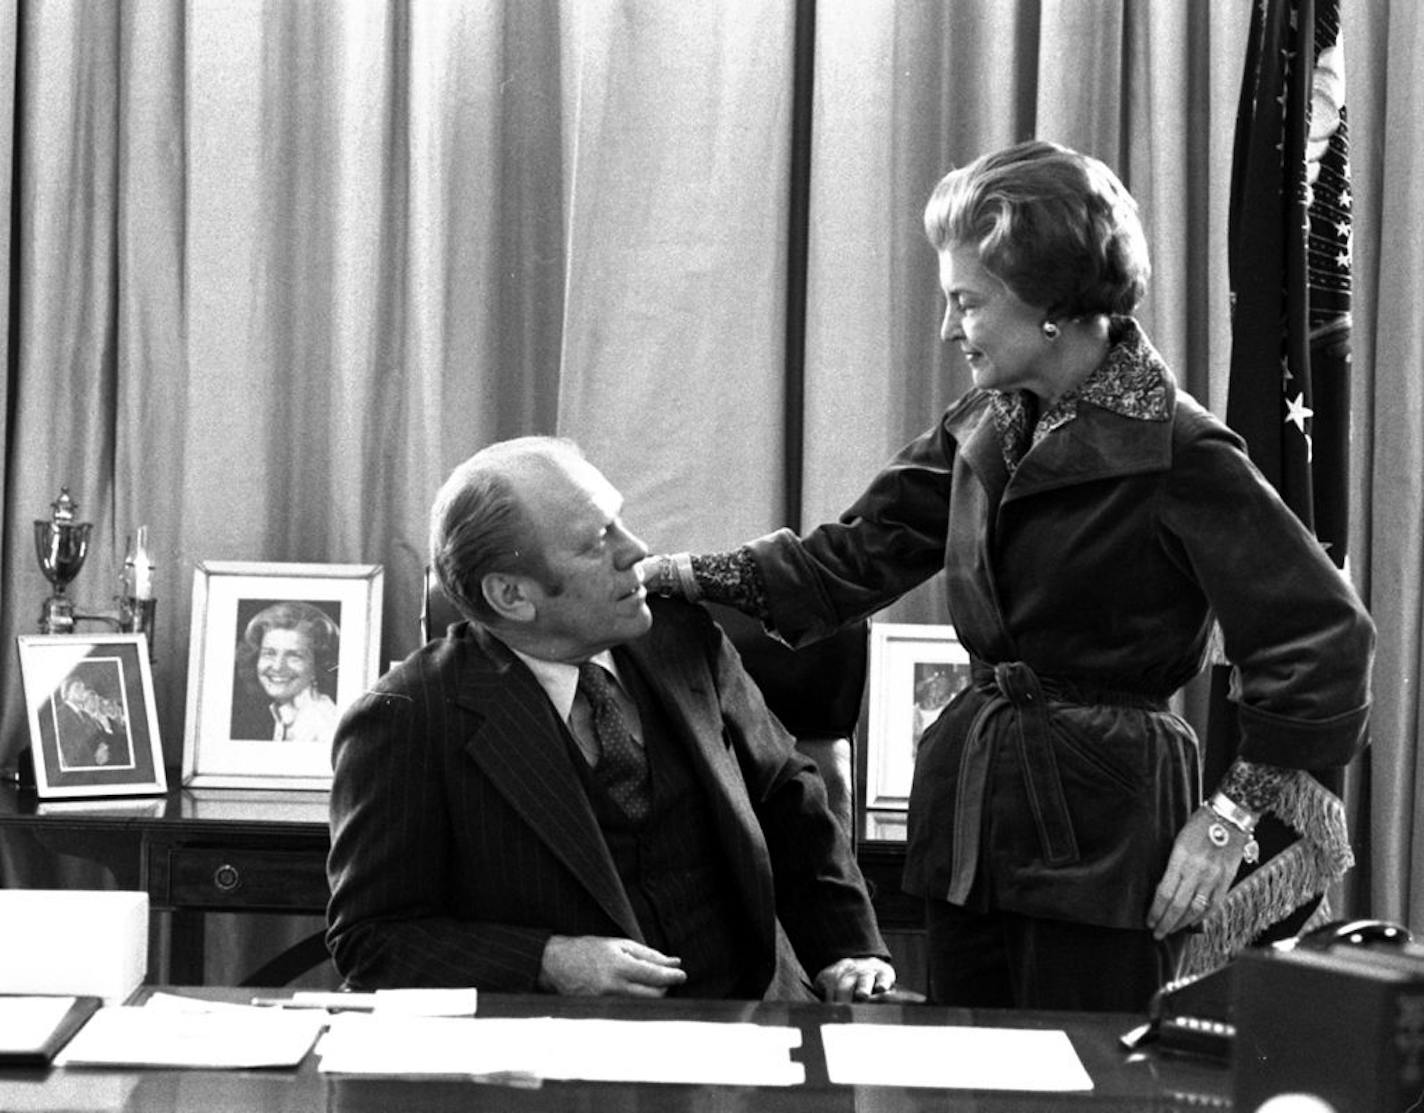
column 622, row 765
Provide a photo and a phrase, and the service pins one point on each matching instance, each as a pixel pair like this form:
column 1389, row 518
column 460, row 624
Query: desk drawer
column 250, row 879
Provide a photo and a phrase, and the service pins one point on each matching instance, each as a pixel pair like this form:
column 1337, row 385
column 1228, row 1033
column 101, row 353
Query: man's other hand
column 593, row 965
column 855, row 979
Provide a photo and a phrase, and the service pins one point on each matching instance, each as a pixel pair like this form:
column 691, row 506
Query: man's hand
column 855, row 979
column 593, row 965
column 1198, row 875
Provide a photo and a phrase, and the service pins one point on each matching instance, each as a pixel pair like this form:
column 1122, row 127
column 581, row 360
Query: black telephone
column 1192, row 1016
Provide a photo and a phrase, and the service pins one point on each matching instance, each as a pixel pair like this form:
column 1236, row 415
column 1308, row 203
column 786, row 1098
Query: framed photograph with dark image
column 915, row 670
column 93, row 724
column 276, row 653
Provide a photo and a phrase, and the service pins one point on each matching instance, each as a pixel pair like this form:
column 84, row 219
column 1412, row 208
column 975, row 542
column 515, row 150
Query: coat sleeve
column 889, row 541
column 820, row 894
column 390, row 920
column 1292, row 625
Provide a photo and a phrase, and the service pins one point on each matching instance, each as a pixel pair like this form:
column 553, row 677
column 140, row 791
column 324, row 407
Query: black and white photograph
column 93, row 728
column 276, row 652
column 915, row 670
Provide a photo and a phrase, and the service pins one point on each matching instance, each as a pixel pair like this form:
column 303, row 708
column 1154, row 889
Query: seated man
column 581, row 790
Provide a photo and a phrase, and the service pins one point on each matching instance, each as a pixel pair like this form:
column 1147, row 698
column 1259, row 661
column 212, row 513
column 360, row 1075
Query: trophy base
column 57, row 616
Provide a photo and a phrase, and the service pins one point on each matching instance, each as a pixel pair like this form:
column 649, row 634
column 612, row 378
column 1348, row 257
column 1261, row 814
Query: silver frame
column 895, row 649
column 211, row 758
column 40, row 678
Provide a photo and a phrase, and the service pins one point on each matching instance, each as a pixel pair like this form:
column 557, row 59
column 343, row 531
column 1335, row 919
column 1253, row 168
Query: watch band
column 1233, row 813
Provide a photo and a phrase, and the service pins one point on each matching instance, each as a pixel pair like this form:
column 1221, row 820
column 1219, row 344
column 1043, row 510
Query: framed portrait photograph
column 93, row 724
column 915, row 670
column 276, row 653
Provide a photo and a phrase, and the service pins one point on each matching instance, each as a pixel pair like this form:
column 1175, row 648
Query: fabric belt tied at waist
column 1013, row 687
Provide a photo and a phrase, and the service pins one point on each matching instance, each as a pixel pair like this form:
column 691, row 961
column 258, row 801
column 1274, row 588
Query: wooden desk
column 1121, row 1081
column 193, row 851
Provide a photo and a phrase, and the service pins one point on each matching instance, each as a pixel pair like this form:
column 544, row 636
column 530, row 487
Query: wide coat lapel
column 682, row 680
column 518, row 742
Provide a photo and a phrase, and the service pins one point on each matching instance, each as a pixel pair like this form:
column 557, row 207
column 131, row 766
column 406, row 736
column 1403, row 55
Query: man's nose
column 630, row 547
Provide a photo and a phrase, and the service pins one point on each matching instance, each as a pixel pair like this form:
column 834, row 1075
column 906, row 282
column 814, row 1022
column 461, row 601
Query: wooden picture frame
column 276, row 653
column 93, row 723
column 915, row 669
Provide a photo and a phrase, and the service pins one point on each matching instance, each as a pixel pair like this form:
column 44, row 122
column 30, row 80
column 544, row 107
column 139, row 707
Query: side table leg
column 185, row 948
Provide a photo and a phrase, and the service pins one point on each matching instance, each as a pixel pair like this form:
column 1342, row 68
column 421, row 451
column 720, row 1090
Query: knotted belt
column 1014, row 688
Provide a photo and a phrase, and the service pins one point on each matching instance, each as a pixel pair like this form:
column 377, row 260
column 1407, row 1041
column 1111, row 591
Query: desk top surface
column 283, row 808
column 296, row 810
column 1121, row 1081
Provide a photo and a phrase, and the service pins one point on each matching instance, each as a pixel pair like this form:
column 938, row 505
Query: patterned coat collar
column 1132, row 381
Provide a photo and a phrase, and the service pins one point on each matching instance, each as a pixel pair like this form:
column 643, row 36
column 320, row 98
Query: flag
column 1289, row 267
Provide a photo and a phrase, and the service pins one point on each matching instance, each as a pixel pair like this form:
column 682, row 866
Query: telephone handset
column 1193, row 1016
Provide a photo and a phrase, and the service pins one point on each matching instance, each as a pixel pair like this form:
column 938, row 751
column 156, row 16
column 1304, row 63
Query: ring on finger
column 1200, row 901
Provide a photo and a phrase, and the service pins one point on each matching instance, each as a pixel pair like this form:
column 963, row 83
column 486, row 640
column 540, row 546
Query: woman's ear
column 508, row 596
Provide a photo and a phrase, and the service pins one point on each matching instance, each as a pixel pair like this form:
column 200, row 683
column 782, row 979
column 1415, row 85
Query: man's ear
column 508, row 595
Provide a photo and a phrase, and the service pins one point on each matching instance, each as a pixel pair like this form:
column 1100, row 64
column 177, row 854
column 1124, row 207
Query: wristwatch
column 1227, row 811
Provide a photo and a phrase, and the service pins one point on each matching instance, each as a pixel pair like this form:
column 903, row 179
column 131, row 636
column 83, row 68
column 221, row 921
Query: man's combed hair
column 478, row 524
column 1055, row 226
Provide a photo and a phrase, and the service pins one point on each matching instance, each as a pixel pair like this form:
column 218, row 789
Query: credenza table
column 201, row 850
column 194, row 851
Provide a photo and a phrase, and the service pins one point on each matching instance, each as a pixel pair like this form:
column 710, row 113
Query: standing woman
column 1091, row 519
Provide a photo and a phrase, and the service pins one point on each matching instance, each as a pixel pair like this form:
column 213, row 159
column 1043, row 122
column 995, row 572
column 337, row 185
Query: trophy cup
column 61, row 544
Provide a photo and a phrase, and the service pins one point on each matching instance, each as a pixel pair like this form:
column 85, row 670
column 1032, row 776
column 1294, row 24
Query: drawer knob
column 227, row 877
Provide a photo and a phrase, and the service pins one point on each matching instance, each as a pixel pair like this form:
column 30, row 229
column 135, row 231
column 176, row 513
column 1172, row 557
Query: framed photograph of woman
column 93, row 724
column 915, row 670
column 276, row 653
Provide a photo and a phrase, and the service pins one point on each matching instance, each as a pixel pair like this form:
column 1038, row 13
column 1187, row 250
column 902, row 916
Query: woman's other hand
column 1203, row 863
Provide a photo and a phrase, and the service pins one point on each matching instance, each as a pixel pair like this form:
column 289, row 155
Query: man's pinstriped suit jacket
column 462, row 837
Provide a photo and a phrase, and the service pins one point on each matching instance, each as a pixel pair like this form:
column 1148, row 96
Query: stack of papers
column 238, row 1036
column 537, row 1048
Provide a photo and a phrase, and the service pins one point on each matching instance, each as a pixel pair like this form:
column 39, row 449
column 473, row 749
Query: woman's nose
column 949, row 327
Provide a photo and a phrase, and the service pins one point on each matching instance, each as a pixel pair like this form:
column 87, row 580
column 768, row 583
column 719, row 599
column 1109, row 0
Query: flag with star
column 1289, row 260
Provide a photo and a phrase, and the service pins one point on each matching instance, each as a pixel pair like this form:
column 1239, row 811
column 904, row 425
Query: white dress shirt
column 560, row 681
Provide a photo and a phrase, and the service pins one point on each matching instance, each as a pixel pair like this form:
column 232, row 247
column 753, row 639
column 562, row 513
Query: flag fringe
column 1304, row 869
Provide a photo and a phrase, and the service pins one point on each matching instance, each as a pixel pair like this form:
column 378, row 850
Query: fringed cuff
column 1304, row 869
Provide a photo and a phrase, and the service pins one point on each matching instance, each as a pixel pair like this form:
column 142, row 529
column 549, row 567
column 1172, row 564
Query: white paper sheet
column 959, row 1058
column 549, row 1048
column 137, row 1036
column 27, row 1022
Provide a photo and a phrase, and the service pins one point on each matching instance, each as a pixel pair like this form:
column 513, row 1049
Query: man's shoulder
column 678, row 613
column 440, row 663
column 678, row 624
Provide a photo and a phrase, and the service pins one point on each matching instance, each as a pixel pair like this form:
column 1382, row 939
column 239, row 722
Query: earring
column 1050, row 330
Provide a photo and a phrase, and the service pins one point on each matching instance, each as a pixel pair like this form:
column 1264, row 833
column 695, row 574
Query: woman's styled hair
column 1055, row 226
column 478, row 524
column 322, row 634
